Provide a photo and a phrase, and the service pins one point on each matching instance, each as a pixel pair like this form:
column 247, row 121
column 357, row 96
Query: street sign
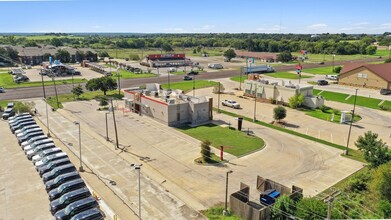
column 299, row 67
column 250, row 60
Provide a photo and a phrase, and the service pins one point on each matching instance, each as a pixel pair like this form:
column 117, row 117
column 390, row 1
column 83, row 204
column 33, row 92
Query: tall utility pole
column 333, row 62
column 218, row 100
column 225, row 212
column 194, row 78
column 168, row 79
column 255, row 104
column 115, row 125
column 330, row 200
column 46, row 102
column 55, row 90
column 138, row 168
column 107, row 127
column 119, row 82
column 81, row 161
column 240, row 79
column 351, row 121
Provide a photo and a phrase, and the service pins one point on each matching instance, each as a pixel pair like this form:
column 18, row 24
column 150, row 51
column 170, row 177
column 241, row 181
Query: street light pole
column 119, row 82
column 81, row 162
column 194, row 78
column 138, row 168
column 218, row 99
column 240, row 80
column 225, row 212
column 255, row 104
column 168, row 79
column 351, row 121
column 333, row 62
column 107, row 127
column 47, row 113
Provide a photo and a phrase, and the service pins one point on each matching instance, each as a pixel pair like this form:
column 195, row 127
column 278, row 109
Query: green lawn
column 361, row 101
column 187, row 86
column 7, row 82
column 286, row 75
column 124, row 74
column 328, row 70
column 327, row 115
column 329, row 58
column 237, row 78
column 235, row 142
column 87, row 95
column 3, row 103
column 178, row 73
column 216, row 213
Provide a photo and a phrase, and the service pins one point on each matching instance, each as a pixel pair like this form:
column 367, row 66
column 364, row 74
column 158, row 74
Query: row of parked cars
column 68, row 194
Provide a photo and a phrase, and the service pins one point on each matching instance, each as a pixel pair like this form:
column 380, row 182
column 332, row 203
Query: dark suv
column 76, row 207
column 68, row 198
column 385, row 91
column 322, row 82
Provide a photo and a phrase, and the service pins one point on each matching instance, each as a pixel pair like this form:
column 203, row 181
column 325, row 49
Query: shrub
column 103, row 101
column 279, row 113
column 336, row 112
column 273, row 100
column 22, row 107
column 205, row 150
column 359, row 182
column 324, row 108
column 337, row 69
column 296, row 100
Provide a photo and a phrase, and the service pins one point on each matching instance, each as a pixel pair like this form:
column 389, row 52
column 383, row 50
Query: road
column 35, row 92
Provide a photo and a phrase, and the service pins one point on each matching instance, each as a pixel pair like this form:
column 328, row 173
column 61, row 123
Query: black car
column 66, row 187
column 68, row 198
column 50, row 166
column 58, row 171
column 385, row 91
column 192, row 73
column 52, row 184
column 76, row 207
column 187, row 77
column 91, row 214
column 29, row 136
column 322, row 82
column 9, row 112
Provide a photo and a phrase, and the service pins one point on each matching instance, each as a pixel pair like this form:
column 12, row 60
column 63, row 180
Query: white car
column 45, row 153
column 231, row 103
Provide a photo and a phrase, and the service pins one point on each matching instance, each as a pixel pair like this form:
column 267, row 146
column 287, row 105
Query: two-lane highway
column 35, row 92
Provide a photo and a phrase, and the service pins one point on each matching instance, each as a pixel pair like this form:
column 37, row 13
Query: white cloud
column 317, row 26
column 360, row 23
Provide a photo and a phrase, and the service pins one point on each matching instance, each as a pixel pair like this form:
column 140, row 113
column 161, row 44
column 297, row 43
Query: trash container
column 240, row 121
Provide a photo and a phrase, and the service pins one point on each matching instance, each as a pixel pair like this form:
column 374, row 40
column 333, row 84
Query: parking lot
column 86, row 73
column 22, row 193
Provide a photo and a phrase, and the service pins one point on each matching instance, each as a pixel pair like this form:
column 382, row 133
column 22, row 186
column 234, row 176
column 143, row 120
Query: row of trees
column 324, row 43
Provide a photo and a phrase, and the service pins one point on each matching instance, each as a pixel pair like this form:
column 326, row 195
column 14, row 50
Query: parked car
column 9, row 112
column 385, row 91
column 231, row 103
column 187, row 77
column 66, row 187
column 28, row 131
column 50, row 158
column 45, row 153
column 322, row 82
column 17, row 117
column 172, row 69
column 94, row 214
column 35, row 141
column 50, row 166
column 22, row 123
column 60, row 180
column 192, row 73
column 2, row 90
column 76, row 207
column 21, row 78
column 25, row 129
column 58, row 171
column 215, row 66
column 29, row 136
column 68, row 198
column 31, row 153
column 332, row 77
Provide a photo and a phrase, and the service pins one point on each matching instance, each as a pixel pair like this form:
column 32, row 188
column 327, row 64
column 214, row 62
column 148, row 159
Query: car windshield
column 233, row 102
column 62, row 199
column 68, row 209
column 57, row 179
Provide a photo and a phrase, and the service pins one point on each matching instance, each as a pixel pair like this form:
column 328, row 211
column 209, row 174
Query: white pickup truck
column 332, row 77
column 230, row 103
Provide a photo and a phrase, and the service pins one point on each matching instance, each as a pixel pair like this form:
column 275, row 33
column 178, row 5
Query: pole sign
column 50, row 60
column 250, row 60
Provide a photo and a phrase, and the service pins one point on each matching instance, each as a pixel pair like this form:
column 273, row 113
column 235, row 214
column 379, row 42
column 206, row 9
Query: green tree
column 103, row 54
column 56, row 42
column 80, row 56
column 285, row 56
column 370, row 50
column 385, row 208
column 387, row 60
column 90, row 55
column 229, row 54
column 63, row 55
column 46, row 56
column 77, row 91
column 296, row 100
column 279, row 113
column 312, row 208
column 104, row 84
column 337, row 69
column 381, row 183
column 22, row 107
column 194, row 51
column 375, row 151
column 167, row 47
column 205, row 150
column 283, row 206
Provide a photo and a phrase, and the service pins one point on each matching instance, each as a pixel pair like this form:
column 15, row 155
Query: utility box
column 240, row 121
column 269, row 197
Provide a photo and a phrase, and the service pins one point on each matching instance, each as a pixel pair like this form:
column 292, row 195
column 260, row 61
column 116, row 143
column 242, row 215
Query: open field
column 328, row 70
column 235, row 142
column 329, row 57
column 7, row 82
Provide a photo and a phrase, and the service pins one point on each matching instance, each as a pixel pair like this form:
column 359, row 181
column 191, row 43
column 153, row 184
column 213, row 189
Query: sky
column 196, row 16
